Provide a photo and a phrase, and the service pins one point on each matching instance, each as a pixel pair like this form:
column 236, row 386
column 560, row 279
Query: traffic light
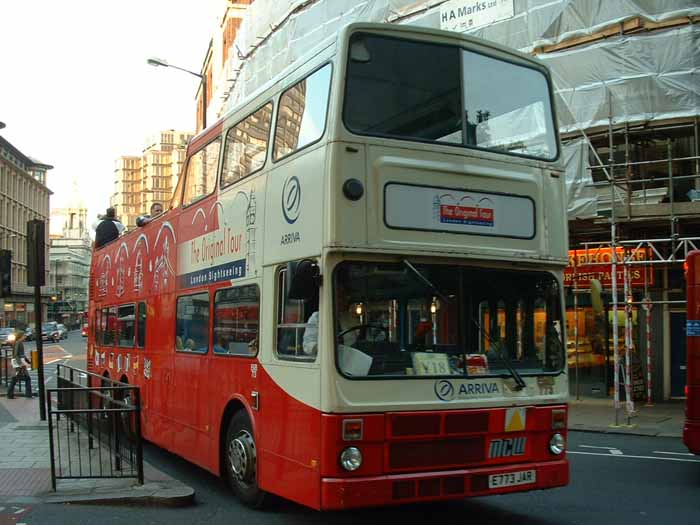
column 36, row 253
column 5, row 273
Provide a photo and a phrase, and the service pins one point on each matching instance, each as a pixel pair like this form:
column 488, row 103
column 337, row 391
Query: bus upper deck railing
column 94, row 431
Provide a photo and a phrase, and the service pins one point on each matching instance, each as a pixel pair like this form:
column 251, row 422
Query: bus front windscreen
column 444, row 94
column 429, row 320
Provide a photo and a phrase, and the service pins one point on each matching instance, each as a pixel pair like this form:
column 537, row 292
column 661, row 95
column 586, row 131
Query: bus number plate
column 511, row 479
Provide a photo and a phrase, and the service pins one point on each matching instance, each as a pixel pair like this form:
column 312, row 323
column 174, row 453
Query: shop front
column 589, row 321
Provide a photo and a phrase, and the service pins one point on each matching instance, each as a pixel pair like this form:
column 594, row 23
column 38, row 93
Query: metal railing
column 94, row 427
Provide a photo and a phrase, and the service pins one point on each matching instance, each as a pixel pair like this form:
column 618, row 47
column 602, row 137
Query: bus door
column 289, row 420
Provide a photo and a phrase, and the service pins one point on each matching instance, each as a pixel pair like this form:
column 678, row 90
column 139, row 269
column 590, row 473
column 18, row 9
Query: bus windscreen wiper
column 426, row 282
column 496, row 345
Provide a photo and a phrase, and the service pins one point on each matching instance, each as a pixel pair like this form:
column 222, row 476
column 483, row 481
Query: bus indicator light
column 352, row 429
column 558, row 419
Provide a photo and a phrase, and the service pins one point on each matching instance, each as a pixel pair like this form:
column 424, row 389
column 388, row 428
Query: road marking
column 634, row 457
column 614, row 451
column 674, row 453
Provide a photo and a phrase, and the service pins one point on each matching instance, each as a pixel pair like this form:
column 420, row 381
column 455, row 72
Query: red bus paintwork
column 691, row 429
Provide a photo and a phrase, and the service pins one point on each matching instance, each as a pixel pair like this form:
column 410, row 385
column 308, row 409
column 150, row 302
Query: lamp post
column 156, row 62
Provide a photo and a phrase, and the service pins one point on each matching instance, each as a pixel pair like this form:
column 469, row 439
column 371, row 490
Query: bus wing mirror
column 596, row 296
column 303, row 279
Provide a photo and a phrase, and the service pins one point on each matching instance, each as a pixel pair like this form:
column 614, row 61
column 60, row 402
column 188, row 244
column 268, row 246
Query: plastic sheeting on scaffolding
column 650, row 76
column 582, row 201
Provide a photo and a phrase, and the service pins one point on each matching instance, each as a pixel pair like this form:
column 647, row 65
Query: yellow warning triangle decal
column 516, row 423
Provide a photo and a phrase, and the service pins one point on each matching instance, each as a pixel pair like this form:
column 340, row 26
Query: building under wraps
column 626, row 76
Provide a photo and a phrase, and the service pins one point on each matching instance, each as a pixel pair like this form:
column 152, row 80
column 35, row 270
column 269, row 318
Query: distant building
column 139, row 181
column 218, row 69
column 23, row 197
column 69, row 265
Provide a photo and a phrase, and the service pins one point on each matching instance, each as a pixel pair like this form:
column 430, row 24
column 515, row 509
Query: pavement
column 25, row 464
column 598, row 415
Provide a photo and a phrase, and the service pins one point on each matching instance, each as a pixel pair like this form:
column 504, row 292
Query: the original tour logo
column 447, row 391
column 291, row 199
column 448, row 210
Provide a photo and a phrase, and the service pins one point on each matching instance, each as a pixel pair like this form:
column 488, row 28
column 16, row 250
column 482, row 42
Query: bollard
column 35, row 359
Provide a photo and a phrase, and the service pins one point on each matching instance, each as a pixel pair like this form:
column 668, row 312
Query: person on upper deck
column 108, row 229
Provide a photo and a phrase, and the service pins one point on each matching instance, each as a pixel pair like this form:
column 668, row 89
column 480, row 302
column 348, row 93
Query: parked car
column 84, row 330
column 50, row 332
column 63, row 331
column 5, row 339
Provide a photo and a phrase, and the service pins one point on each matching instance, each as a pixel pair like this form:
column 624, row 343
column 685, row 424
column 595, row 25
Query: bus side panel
column 290, row 438
column 691, row 429
column 229, row 376
column 157, row 369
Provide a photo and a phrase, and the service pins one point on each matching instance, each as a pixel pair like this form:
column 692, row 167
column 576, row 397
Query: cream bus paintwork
column 343, row 229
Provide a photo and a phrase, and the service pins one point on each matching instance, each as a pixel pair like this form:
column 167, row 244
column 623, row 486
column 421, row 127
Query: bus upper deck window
column 301, row 117
column 201, row 172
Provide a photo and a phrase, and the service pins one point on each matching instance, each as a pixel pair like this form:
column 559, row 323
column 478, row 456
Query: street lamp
column 156, row 62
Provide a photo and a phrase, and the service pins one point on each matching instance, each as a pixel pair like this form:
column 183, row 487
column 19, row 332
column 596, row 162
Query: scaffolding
column 653, row 204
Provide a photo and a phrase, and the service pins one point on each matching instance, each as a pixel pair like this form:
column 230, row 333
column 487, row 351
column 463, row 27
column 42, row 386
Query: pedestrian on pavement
column 108, row 229
column 21, row 366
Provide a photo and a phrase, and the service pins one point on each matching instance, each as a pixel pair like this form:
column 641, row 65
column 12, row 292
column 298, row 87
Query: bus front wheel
column 241, row 461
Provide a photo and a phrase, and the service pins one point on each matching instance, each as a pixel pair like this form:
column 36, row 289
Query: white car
column 50, row 331
column 63, row 331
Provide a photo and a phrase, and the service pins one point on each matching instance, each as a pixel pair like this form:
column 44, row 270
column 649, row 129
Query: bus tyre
column 241, row 461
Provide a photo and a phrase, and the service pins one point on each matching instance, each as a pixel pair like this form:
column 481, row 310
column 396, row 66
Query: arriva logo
column 291, row 199
column 445, row 390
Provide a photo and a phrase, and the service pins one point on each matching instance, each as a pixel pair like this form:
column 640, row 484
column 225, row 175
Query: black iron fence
column 94, row 427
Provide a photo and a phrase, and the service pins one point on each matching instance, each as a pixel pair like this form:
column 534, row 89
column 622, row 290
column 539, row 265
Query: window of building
column 301, row 117
column 297, row 330
column 246, row 146
column 141, row 330
column 201, row 172
column 236, row 320
column 192, row 323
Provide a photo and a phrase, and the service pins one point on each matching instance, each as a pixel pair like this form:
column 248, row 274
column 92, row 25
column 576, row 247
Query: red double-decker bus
column 355, row 297
column 691, row 429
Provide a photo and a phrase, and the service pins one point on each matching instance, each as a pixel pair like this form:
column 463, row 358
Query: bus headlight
column 351, row 458
column 557, row 444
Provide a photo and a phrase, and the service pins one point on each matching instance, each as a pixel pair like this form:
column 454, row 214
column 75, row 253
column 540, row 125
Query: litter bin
column 35, row 359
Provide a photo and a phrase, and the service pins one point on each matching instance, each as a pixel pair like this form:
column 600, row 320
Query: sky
column 76, row 91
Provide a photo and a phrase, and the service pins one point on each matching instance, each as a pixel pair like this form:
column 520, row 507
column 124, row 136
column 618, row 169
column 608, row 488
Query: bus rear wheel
column 241, row 461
